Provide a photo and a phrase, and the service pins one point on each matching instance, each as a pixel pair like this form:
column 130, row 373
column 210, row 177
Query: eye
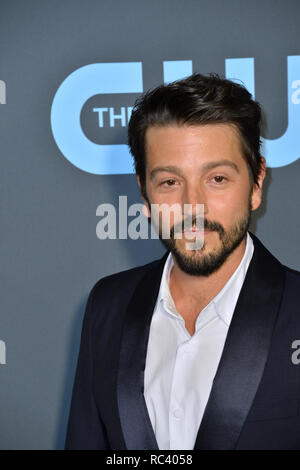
column 220, row 179
column 168, row 182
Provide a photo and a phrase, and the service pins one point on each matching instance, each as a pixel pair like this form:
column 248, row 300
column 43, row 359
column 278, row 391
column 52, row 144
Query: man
column 195, row 350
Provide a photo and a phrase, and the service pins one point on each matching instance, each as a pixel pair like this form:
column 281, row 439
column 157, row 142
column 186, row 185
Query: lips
column 195, row 230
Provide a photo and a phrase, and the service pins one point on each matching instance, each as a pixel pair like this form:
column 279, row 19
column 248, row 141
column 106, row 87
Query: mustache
column 190, row 222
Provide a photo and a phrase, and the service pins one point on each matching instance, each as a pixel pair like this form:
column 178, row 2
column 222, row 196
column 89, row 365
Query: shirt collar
column 225, row 301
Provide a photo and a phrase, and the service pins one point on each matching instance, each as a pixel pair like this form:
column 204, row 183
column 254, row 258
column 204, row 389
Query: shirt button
column 178, row 413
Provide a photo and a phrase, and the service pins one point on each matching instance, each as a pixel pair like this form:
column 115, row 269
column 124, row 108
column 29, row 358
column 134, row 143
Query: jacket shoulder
column 292, row 272
column 292, row 278
column 120, row 284
column 111, row 294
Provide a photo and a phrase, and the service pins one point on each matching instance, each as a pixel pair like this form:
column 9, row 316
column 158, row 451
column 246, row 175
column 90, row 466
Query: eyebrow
column 205, row 167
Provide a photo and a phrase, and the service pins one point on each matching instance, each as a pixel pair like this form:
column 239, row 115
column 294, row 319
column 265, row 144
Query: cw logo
column 126, row 77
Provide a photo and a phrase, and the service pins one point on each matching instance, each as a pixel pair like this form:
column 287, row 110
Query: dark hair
column 197, row 99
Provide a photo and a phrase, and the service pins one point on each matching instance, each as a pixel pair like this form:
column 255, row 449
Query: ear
column 146, row 210
column 257, row 189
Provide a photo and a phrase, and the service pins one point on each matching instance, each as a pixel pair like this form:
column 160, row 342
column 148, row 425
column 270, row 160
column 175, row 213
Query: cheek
column 228, row 208
column 161, row 210
column 165, row 199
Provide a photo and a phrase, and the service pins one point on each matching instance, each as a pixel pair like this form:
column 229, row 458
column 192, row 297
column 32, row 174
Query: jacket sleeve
column 85, row 429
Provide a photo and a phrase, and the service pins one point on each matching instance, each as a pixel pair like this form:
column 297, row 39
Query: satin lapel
column 245, row 352
column 135, row 421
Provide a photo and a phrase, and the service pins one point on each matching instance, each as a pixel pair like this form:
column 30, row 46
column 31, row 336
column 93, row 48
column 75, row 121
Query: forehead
column 208, row 141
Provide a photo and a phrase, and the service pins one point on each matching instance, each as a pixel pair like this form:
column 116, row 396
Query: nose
column 194, row 195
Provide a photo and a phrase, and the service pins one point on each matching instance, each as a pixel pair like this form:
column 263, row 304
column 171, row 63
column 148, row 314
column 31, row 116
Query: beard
column 200, row 264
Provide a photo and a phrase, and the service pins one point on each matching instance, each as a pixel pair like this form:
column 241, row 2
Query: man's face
column 201, row 164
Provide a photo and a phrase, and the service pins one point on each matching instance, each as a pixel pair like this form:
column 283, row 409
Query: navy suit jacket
column 255, row 397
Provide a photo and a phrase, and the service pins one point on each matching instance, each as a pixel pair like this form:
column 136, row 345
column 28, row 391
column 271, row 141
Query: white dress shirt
column 180, row 368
